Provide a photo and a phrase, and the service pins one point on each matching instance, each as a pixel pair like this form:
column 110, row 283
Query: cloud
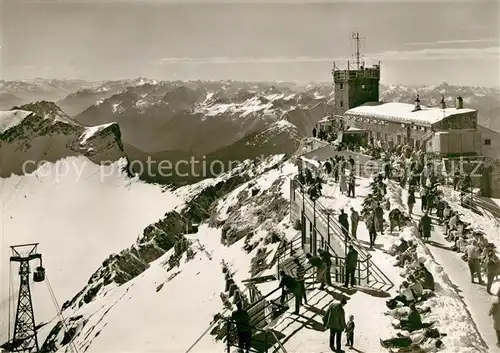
column 456, row 41
column 392, row 55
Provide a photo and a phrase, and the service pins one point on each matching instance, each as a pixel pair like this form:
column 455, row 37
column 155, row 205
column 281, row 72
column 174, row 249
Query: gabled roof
column 404, row 112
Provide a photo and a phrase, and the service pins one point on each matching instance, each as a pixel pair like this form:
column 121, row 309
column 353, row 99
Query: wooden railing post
column 367, row 271
column 228, row 336
column 328, row 227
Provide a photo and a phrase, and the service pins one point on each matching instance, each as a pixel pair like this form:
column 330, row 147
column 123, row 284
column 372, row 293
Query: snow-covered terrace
column 403, row 113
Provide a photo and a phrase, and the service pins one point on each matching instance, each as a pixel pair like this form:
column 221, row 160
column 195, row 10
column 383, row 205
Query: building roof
column 403, row 112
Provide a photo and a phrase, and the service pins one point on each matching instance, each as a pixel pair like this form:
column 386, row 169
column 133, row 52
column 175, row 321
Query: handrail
column 370, row 266
column 333, row 223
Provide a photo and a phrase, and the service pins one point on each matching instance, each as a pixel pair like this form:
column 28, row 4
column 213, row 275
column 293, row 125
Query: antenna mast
column 357, row 55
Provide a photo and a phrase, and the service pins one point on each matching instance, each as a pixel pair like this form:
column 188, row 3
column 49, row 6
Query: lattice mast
column 357, row 54
column 24, row 338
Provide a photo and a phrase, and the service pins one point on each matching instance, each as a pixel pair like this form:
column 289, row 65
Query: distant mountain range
column 223, row 121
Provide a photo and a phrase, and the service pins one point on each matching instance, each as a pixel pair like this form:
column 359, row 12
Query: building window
column 378, row 135
column 487, row 142
column 399, row 139
column 341, row 86
column 342, row 104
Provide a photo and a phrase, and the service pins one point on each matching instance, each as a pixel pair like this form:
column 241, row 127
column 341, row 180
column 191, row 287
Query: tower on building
column 357, row 84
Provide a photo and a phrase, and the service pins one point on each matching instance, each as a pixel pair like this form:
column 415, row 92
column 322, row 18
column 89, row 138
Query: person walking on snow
column 473, row 259
column 495, row 313
column 354, row 223
column 241, row 318
column 344, row 222
column 423, row 198
column 351, row 263
column 334, row 320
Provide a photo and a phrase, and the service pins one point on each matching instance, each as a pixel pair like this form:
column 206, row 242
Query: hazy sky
column 426, row 42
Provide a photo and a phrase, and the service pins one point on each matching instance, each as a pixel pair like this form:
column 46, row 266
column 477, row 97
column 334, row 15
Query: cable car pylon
column 25, row 335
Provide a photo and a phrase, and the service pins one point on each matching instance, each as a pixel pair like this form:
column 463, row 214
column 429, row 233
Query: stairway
column 329, row 234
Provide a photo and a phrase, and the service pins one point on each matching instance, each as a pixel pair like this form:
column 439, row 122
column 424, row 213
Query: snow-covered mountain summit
column 41, row 131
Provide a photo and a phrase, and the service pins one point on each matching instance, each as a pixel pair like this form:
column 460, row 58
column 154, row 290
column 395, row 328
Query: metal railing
column 335, row 237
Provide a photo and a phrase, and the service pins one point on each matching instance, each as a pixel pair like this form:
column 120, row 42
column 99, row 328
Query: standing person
column 344, row 222
column 334, row 320
column 241, row 318
column 351, row 263
column 290, row 286
column 379, row 218
column 423, row 198
column 320, row 269
column 314, row 131
column 411, row 201
column 495, row 312
column 350, row 331
column 352, row 185
column 342, row 182
column 354, row 223
column 473, row 256
column 492, row 267
column 372, row 231
column 326, row 257
column 300, row 273
column 425, row 226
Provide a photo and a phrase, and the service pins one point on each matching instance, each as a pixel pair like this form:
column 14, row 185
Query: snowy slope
column 79, row 216
column 177, row 304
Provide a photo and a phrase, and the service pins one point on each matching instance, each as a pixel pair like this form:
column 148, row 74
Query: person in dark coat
column 290, row 286
column 344, row 222
column 414, row 321
column 241, row 319
column 354, row 223
column 372, row 231
column 411, row 201
column 334, row 320
column 314, row 131
column 425, row 226
column 351, row 264
column 326, row 257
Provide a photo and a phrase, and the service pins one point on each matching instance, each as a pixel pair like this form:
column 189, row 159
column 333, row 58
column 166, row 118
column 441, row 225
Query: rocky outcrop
column 41, row 131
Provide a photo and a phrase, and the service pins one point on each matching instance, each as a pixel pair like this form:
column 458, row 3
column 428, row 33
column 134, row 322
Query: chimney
column 417, row 103
column 459, row 103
